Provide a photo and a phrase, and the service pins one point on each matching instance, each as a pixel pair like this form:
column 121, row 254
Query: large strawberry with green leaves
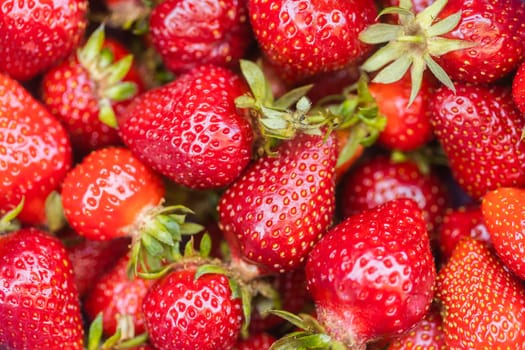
column 35, row 152
column 283, row 203
column 39, row 304
column 305, row 38
column 190, row 129
column 190, row 33
column 480, row 130
column 35, row 35
column 483, row 303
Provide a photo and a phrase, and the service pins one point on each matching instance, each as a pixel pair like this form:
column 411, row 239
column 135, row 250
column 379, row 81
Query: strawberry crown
column 108, row 75
column 412, row 44
column 123, row 338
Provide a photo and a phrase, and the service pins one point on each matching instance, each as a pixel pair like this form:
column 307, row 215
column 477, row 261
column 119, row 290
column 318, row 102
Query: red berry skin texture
column 497, row 27
column 108, row 192
column 483, row 304
column 373, row 274
column 35, row 152
column 504, row 215
column 304, row 38
column 39, row 304
column 283, row 203
column 190, row 33
column 37, row 34
column 186, row 313
column 480, row 129
column 518, row 88
column 190, row 130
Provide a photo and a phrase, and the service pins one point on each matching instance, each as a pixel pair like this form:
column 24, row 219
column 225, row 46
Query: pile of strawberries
column 262, row 174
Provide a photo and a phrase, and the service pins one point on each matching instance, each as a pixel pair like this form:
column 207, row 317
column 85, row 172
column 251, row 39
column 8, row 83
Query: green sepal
column 190, row 228
column 95, row 333
column 444, row 26
column 207, row 269
column 205, row 245
column 121, row 91
column 91, row 50
column 291, row 97
column 112, row 341
column 133, row 342
column 245, row 101
column 55, row 218
column 427, row 16
column 118, row 70
column 380, row 33
column 8, row 222
column 105, row 58
column 155, row 275
column 106, row 113
column 256, row 81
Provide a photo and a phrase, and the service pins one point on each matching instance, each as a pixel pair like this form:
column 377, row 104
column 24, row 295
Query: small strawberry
column 186, row 311
column 480, row 131
column 190, row 130
column 458, row 223
column 426, row 335
column 37, row 34
column 258, row 341
column 283, row 203
column 112, row 194
column 89, row 89
column 504, row 214
column 116, row 294
column 370, row 276
column 483, row 304
column 35, row 152
column 191, row 33
column 381, row 179
column 91, row 258
column 39, row 304
column 518, row 88
column 407, row 128
column 309, row 37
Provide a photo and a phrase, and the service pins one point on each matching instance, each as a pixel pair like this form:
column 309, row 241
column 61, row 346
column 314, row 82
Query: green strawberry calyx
column 311, row 335
column 107, row 74
column 412, row 44
column 124, row 337
column 8, row 222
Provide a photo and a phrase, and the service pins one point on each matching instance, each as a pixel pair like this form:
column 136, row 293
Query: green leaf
column 160, row 233
column 112, row 340
column 121, row 91
column 384, row 55
column 288, row 99
column 246, row 302
column 444, row 26
column 440, row 46
column 380, row 33
column 429, row 14
column 133, row 342
column 207, row 269
column 394, row 71
column 95, row 333
column 396, row 10
column 106, row 114
column 190, row 228
column 55, row 218
column 119, row 69
column 205, row 245
column 153, row 247
column 439, row 72
column 416, row 76
column 156, row 274
column 91, row 49
column 245, row 101
column 275, row 123
column 290, row 317
column 256, row 80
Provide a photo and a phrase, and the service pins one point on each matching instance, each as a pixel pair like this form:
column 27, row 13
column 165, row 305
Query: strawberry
column 503, row 212
column 190, row 33
column 381, row 179
column 116, row 294
column 426, row 335
column 258, row 341
column 417, row 5
column 480, row 130
column 483, row 304
column 407, row 128
column 92, row 258
column 87, row 90
column 372, row 275
column 518, row 88
column 458, row 223
column 496, row 27
column 309, row 37
column 185, row 311
column 283, row 203
column 190, row 130
column 35, row 152
column 39, row 305
column 37, row 34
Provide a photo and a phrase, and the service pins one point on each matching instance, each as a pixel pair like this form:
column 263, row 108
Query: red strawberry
column 37, row 34
column 283, row 203
column 92, row 258
column 483, row 304
column 459, row 223
column 190, row 33
column 35, row 153
column 372, row 275
column 88, row 89
column 407, row 128
column 518, row 88
column 115, row 294
column 480, row 130
column 417, row 5
column 310, row 37
column 426, row 335
column 105, row 194
column 183, row 311
column 258, row 341
column 190, row 130
column 380, row 179
column 504, row 214
column 39, row 305
column 497, row 27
